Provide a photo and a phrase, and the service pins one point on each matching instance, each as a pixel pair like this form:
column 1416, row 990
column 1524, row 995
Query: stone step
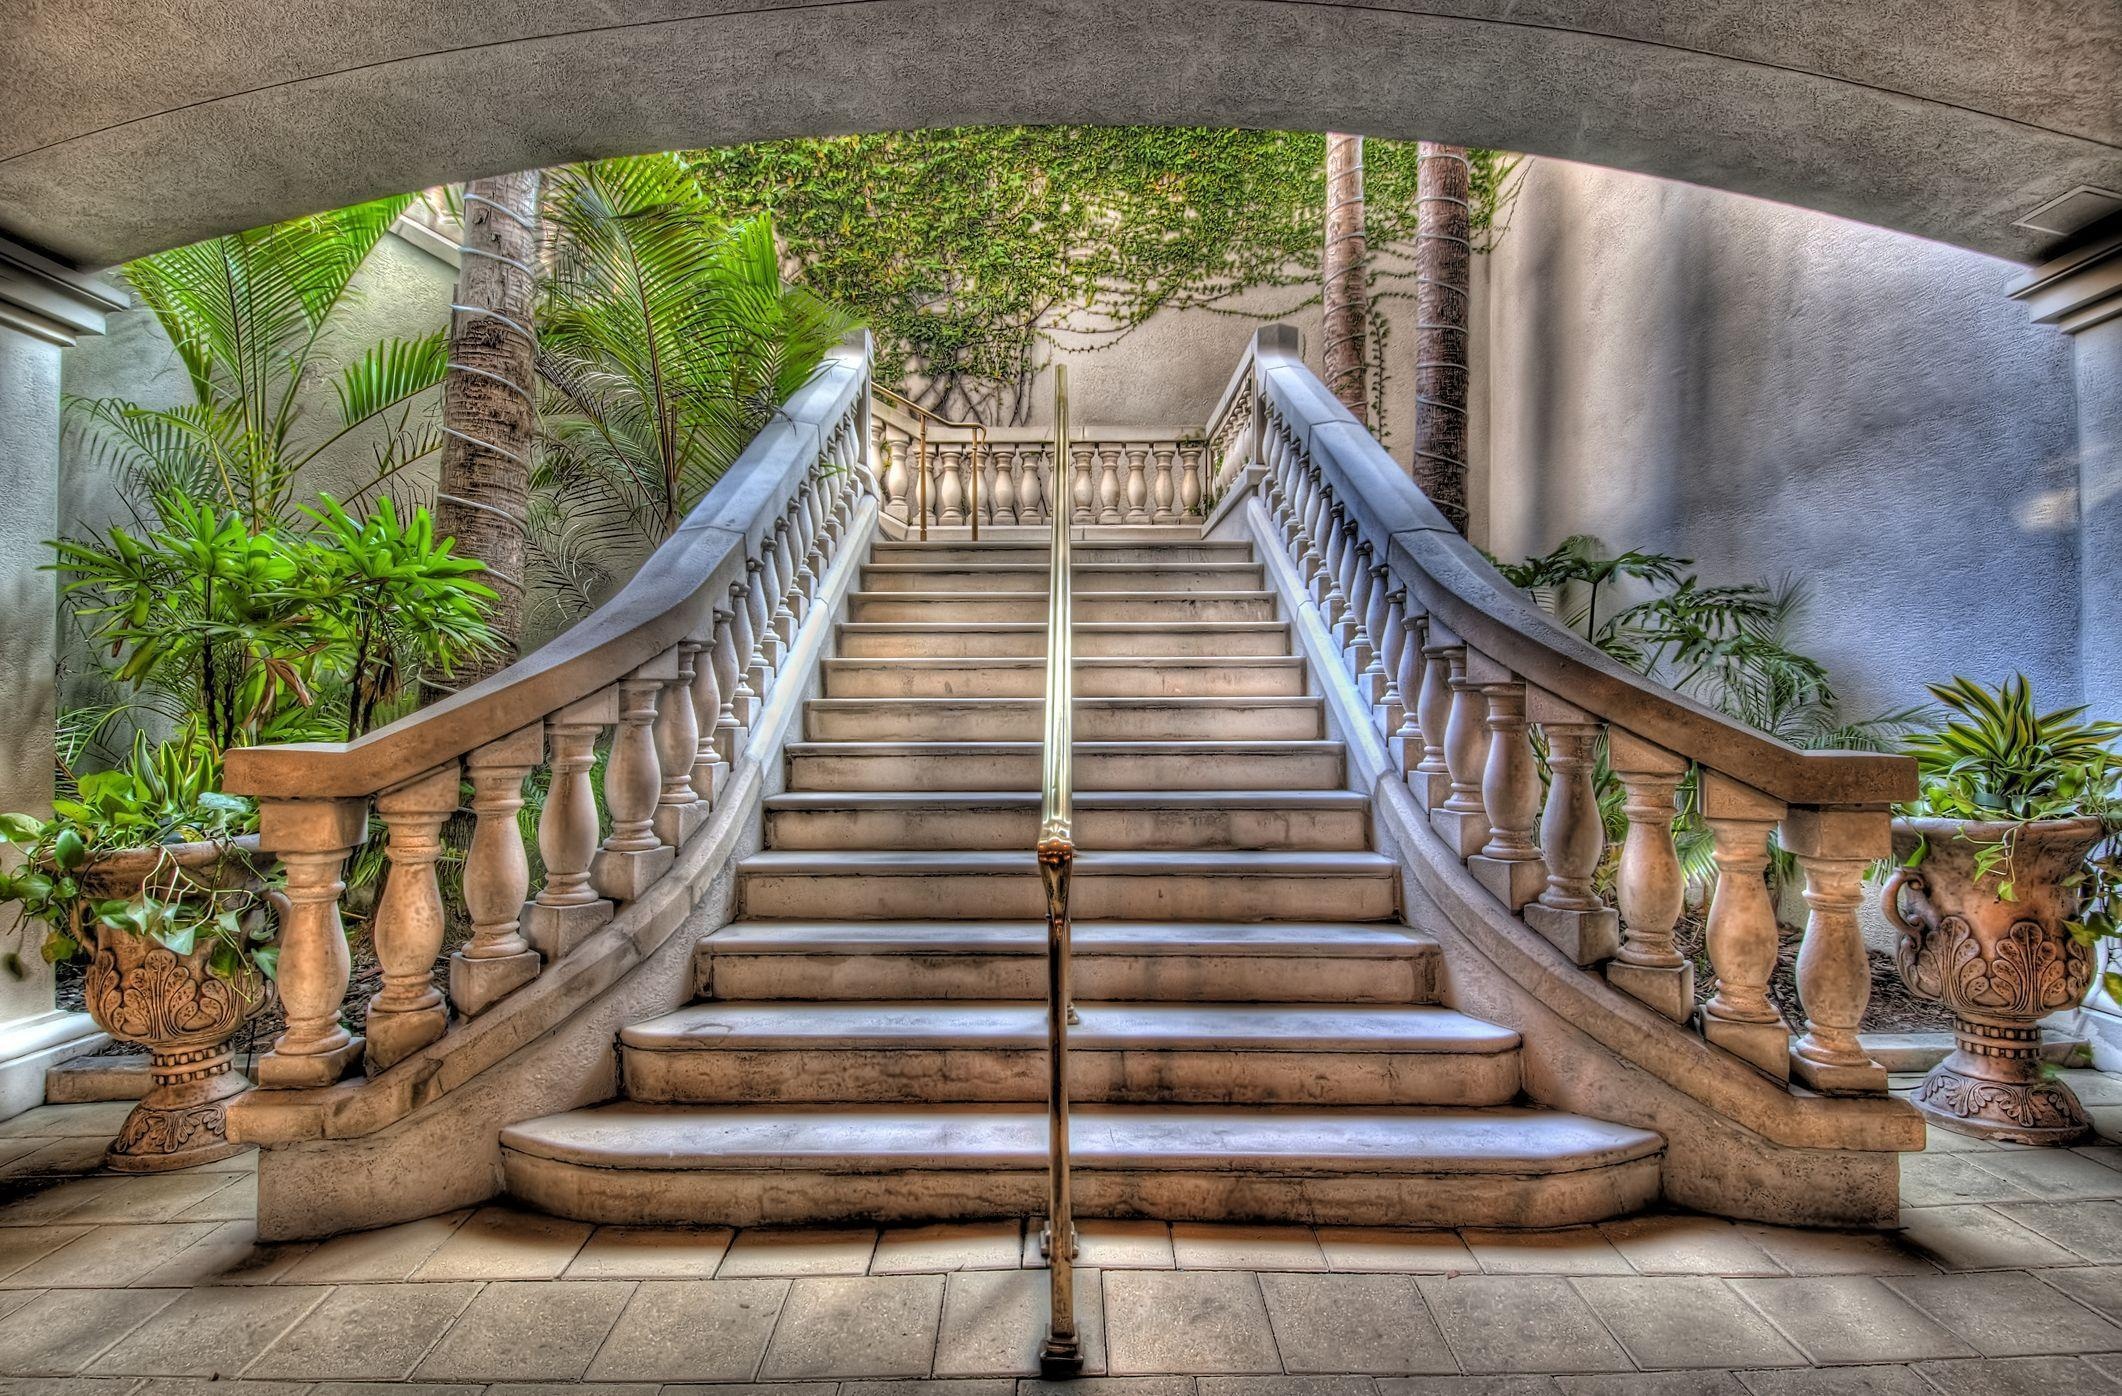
column 1315, row 765
column 1029, row 606
column 1147, row 819
column 855, row 885
column 1096, row 719
column 969, row 1051
column 754, row 1165
column 1025, row 552
column 1085, row 577
column 1183, row 676
column 901, row 639
column 1138, row 961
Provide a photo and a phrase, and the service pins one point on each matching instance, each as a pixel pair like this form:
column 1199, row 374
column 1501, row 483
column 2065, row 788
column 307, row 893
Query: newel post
column 312, row 839
column 1833, row 849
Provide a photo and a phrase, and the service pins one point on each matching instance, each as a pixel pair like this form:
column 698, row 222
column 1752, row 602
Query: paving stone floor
column 2005, row 1278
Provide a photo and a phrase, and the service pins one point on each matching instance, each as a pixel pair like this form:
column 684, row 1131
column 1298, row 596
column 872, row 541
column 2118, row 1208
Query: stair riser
column 989, row 827
column 1084, row 581
column 873, row 895
column 1306, row 768
column 1089, row 608
column 1021, row 721
column 1268, row 640
column 858, row 679
column 988, row 1074
column 790, row 1196
column 1036, row 555
column 1119, row 978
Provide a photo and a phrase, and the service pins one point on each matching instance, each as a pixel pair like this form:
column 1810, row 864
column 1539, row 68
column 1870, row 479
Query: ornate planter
column 2000, row 966
column 181, row 1011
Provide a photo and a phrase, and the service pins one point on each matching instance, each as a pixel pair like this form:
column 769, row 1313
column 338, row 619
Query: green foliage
column 667, row 339
column 963, row 249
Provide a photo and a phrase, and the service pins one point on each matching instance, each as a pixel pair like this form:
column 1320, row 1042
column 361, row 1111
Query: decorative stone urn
column 2000, row 966
column 141, row 991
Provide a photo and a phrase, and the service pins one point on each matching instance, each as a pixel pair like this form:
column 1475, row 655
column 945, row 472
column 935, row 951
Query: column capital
column 2077, row 290
column 46, row 298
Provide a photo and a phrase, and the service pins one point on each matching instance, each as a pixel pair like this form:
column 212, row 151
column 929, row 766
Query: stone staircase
column 1261, row 1037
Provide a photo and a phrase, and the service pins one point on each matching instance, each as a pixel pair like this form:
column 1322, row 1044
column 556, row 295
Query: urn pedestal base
column 1993, row 1086
column 184, row 1120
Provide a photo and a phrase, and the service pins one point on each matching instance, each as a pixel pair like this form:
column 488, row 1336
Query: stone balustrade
column 1150, row 478
column 1497, row 719
column 671, row 672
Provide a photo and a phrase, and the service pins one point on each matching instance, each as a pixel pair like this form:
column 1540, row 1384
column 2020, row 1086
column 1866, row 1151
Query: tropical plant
column 1443, row 302
column 667, row 339
column 252, row 317
column 1344, row 278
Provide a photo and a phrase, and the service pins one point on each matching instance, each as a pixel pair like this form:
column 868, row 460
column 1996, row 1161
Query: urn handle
column 1890, row 901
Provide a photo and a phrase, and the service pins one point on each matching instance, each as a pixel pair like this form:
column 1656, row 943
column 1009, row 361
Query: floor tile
column 1572, row 1250
column 98, row 1120
column 501, row 1243
column 13, row 1299
column 387, row 1253
column 572, row 1388
column 2106, row 1155
column 1393, row 1249
column 768, row 1252
column 1466, row 1386
column 1354, row 1323
column 2096, row 1286
column 1520, row 1323
column 1268, row 1384
column 21, row 1245
column 211, row 1386
column 2089, row 1229
column 855, row 1325
column 1938, row 1140
column 1199, row 1321
column 2095, row 1087
column 1687, row 1245
column 72, row 1155
column 230, row 1254
column 236, row 1202
column 1817, row 1251
column 2055, row 1173
column 996, row 1245
column 1652, row 1384
column 995, row 1321
column 650, row 1253
column 111, row 1256
column 1685, row 1321
column 1109, row 1386
column 1113, row 1245
column 691, row 1330
column 1839, row 1381
column 366, row 1332
column 156, row 1198
column 1850, row 1319
column 528, row 1331
column 376, row 1388
column 2006, row 1314
column 1934, row 1180
column 921, row 1386
column 1202, row 1246
column 62, row 1330
column 51, row 1202
column 2022, row 1376
column 1976, row 1238
column 208, row 1331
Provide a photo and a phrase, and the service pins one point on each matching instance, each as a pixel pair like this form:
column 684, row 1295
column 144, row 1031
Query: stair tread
column 1083, row 661
column 1084, row 799
column 1025, row 627
column 1184, row 700
column 1183, row 746
column 1484, row 1140
column 1314, row 939
column 1148, row 862
column 984, row 1025
column 959, row 597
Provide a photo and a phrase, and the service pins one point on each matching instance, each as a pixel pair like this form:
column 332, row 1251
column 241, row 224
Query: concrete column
column 44, row 306
column 2080, row 293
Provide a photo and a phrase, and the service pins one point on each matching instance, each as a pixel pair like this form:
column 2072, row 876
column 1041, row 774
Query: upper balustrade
column 1461, row 672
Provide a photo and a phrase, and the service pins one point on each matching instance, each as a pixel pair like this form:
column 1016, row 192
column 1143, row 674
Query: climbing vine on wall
column 962, row 248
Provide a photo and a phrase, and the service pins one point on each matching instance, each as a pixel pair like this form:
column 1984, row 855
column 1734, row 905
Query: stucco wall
column 1770, row 390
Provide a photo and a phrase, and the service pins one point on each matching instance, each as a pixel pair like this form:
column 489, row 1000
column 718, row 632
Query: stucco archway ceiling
column 132, row 125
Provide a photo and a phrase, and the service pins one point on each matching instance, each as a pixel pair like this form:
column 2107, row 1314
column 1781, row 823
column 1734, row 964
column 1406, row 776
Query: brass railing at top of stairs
column 923, row 419
column 1062, row 1354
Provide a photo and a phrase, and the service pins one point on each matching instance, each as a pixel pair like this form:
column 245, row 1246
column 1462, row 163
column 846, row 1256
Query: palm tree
column 1443, row 261
column 1345, row 276
column 666, row 340
column 489, row 413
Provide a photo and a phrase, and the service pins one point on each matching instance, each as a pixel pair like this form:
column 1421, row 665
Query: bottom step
column 757, row 1166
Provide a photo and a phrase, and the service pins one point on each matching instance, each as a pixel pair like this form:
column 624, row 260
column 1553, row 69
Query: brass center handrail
column 1062, row 1354
column 923, row 419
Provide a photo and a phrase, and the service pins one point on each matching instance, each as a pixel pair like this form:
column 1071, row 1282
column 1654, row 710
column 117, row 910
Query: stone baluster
column 731, row 725
column 950, row 494
column 497, row 960
column 1742, row 937
column 1163, row 488
column 679, row 809
column 633, row 857
column 759, row 670
column 1404, row 734
column 1312, row 564
column 1082, row 470
column 1572, row 835
column 780, row 559
column 810, row 559
column 1509, row 863
column 1035, row 486
column 1388, row 601
column 312, row 839
column 1109, row 495
column 1005, row 492
column 1380, row 621
column 409, row 1012
column 1649, row 887
column 1463, row 822
column 1189, row 498
column 567, row 910
column 1137, row 497
column 1431, row 777
column 896, row 482
column 710, row 771
column 1833, row 849
column 1361, row 654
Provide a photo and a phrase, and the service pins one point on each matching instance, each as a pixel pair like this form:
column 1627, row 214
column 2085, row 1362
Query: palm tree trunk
column 488, row 411
column 1345, row 277
column 1443, row 256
